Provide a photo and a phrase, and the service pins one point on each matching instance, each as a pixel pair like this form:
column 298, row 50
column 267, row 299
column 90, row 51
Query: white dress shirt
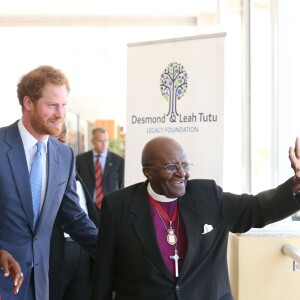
column 29, row 143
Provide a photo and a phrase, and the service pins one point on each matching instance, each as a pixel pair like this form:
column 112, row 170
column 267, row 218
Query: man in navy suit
column 166, row 238
column 112, row 164
column 25, row 232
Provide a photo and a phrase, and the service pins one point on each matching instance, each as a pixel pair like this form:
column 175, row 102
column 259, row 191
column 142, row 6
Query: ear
column 27, row 103
column 147, row 172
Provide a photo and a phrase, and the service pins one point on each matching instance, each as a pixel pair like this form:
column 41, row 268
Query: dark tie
column 98, row 184
column 36, row 175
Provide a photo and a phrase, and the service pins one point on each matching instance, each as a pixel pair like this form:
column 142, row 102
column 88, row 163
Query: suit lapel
column 17, row 159
column 90, row 164
column 108, row 163
column 192, row 220
column 145, row 232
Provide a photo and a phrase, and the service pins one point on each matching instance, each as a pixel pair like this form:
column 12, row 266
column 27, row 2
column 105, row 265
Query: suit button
column 177, row 288
column 29, row 264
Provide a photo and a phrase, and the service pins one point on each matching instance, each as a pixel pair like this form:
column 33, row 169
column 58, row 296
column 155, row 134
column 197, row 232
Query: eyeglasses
column 172, row 168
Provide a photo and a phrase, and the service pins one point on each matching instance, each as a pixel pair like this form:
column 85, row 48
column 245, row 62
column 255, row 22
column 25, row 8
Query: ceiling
column 105, row 8
column 88, row 40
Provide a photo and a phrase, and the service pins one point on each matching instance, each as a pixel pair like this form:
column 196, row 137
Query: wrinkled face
column 100, row 142
column 46, row 116
column 171, row 185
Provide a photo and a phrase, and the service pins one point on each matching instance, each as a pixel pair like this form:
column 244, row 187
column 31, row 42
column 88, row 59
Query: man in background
column 70, row 266
column 101, row 170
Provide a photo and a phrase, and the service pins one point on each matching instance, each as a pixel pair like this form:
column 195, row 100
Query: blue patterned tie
column 36, row 175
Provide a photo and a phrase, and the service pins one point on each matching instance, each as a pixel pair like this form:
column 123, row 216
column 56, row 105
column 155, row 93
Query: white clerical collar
column 157, row 197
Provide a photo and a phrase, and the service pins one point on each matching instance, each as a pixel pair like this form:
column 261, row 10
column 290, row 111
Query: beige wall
column 258, row 269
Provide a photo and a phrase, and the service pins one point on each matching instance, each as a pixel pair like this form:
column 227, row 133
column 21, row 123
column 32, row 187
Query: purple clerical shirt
column 166, row 249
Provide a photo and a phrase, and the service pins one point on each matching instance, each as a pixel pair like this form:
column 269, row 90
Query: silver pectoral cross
column 176, row 258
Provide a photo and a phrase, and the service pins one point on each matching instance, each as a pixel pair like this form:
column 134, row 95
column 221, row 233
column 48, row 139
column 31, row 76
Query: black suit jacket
column 57, row 247
column 113, row 176
column 130, row 260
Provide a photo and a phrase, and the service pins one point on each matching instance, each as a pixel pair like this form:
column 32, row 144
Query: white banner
column 176, row 89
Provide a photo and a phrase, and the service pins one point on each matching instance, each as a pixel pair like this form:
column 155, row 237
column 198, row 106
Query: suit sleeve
column 78, row 169
column 242, row 212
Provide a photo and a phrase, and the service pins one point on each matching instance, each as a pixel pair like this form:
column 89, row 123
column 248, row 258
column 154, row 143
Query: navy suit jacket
column 29, row 245
column 131, row 261
column 113, row 176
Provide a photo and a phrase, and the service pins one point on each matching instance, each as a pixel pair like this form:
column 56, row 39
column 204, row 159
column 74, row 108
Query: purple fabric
column 161, row 235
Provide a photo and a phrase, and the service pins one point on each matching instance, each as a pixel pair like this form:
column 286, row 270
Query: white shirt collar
column 103, row 154
column 28, row 140
column 157, row 197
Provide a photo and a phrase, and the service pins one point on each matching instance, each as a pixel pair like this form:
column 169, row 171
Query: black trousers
column 77, row 273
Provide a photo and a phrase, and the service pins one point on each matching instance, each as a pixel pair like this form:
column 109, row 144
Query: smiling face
column 160, row 152
column 46, row 115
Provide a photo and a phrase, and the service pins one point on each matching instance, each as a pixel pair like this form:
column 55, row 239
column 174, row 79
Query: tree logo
column 173, row 85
